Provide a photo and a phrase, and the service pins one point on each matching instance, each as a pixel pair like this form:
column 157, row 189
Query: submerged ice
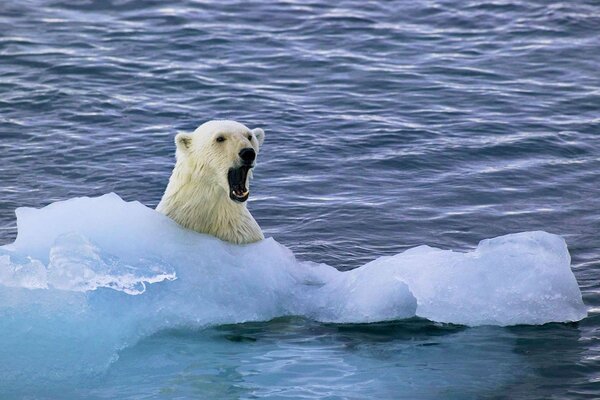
column 88, row 276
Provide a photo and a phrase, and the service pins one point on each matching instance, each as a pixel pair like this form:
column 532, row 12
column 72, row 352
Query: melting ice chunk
column 78, row 265
column 86, row 243
column 523, row 278
column 102, row 272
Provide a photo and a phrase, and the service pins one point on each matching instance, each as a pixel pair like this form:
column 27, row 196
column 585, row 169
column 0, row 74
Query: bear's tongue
column 237, row 183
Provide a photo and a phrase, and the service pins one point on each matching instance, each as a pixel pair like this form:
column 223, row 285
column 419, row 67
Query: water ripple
column 388, row 125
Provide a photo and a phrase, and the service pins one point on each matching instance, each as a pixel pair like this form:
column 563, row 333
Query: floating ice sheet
column 88, row 276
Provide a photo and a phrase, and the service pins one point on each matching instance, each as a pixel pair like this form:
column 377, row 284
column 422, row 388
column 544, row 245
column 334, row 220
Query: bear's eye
column 220, row 139
column 250, row 137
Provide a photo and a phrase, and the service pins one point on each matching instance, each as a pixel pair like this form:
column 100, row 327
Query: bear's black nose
column 248, row 155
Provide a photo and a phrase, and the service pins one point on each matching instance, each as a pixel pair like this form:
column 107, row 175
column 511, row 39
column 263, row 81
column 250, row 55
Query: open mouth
column 237, row 183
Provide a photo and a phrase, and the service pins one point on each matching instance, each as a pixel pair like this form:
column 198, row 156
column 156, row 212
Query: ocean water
column 389, row 125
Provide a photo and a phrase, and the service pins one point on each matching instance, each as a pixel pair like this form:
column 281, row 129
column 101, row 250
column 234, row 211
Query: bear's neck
column 201, row 205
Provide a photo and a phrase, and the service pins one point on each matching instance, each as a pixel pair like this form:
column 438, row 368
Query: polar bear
column 210, row 182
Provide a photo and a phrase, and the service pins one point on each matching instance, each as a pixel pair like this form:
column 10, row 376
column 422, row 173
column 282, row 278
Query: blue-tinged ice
column 88, row 276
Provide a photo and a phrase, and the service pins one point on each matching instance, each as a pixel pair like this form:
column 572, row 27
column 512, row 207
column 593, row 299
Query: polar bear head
column 221, row 153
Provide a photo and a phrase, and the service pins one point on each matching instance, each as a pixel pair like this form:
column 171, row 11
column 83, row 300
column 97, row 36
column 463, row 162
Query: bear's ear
column 183, row 141
column 260, row 135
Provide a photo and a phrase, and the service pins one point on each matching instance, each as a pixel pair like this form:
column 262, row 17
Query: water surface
column 389, row 125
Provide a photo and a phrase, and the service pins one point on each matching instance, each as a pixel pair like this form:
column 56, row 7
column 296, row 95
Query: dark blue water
column 389, row 125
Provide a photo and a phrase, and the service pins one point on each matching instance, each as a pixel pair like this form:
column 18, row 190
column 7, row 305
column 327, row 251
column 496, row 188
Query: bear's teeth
column 240, row 193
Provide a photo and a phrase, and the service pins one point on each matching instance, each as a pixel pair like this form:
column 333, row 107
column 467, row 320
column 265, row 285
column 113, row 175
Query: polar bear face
column 221, row 153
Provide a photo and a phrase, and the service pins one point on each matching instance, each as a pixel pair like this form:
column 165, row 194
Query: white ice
column 96, row 274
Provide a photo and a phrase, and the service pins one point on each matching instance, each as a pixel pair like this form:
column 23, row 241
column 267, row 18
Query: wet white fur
column 197, row 196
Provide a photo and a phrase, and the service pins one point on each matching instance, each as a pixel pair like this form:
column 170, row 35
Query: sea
column 389, row 125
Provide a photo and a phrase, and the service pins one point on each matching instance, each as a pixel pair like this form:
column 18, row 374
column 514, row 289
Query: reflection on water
column 297, row 358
